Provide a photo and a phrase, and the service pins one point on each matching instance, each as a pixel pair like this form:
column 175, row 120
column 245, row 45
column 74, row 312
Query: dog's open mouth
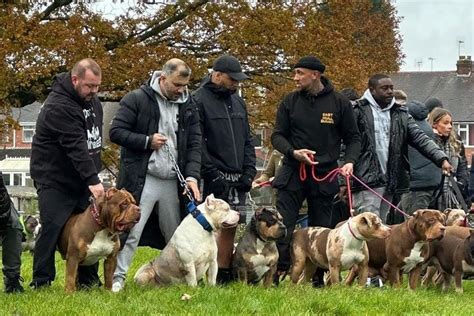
column 125, row 226
column 229, row 225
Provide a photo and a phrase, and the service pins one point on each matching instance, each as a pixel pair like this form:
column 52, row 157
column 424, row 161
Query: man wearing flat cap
column 311, row 122
column 228, row 154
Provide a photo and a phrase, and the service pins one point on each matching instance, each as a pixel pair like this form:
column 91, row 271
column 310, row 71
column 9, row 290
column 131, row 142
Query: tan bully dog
column 453, row 256
column 256, row 255
column 191, row 252
column 404, row 250
column 93, row 234
column 336, row 249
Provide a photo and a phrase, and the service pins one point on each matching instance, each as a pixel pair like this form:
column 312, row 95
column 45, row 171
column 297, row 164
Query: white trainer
column 117, row 286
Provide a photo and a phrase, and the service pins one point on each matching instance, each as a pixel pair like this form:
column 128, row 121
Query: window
column 466, row 132
column 28, row 132
column 17, row 179
column 6, row 178
column 258, row 138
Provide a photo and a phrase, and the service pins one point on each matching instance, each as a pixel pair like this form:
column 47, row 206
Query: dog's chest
column 260, row 262
column 351, row 256
column 414, row 258
column 101, row 247
column 466, row 267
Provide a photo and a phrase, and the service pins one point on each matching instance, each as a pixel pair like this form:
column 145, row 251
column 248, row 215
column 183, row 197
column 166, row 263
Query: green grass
column 229, row 300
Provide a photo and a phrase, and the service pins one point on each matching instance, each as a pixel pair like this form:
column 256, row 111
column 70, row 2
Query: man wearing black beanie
column 310, row 124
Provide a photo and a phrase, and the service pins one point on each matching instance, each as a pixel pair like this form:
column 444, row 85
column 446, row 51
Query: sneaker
column 117, row 285
column 39, row 285
column 374, row 282
column 13, row 285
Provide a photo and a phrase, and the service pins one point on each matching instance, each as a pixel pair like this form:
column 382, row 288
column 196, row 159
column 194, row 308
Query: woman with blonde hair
column 441, row 120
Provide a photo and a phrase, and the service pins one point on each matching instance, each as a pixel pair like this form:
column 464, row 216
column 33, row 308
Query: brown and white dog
column 404, row 250
column 335, row 249
column 191, row 252
column 455, row 217
column 256, row 255
column 93, row 234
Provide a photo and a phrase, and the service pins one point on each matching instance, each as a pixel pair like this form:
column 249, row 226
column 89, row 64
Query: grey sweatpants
column 155, row 190
column 366, row 201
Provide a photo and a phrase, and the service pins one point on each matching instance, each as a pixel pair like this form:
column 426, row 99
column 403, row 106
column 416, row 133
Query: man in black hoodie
column 65, row 162
column 310, row 124
column 228, row 155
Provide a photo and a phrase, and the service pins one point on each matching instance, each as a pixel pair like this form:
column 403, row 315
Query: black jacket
column 137, row 118
column 5, row 205
column 403, row 132
column 317, row 122
column 227, row 141
column 424, row 174
column 65, row 153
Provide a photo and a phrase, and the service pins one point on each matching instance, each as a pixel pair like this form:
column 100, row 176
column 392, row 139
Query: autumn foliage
column 353, row 38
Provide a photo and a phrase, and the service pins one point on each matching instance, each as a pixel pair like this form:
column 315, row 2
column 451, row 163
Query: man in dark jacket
column 10, row 239
column 387, row 129
column 153, row 122
column 425, row 176
column 310, row 124
column 65, row 162
column 228, row 155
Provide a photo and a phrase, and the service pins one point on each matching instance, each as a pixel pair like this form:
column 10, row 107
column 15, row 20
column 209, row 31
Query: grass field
column 230, row 300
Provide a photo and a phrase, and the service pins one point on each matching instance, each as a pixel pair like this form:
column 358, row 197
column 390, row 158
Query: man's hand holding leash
column 305, row 155
column 158, row 141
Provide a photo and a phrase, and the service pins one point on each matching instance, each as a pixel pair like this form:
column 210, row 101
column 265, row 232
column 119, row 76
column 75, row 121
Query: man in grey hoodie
column 158, row 113
column 386, row 130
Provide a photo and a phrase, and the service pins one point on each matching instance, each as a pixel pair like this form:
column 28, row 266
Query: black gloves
column 245, row 183
column 218, row 185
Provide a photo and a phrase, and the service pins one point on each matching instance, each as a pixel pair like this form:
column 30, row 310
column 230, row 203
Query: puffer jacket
column 403, row 132
column 5, row 205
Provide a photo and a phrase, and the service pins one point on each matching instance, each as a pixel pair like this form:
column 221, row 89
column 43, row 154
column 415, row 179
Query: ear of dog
column 210, row 200
column 110, row 192
column 366, row 220
column 447, row 211
column 418, row 213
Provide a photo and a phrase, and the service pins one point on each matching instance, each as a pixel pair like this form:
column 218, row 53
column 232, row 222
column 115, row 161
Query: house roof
column 456, row 92
column 28, row 113
column 15, row 165
column 15, row 153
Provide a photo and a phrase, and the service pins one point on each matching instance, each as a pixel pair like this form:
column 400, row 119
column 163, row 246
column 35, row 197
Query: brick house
column 454, row 88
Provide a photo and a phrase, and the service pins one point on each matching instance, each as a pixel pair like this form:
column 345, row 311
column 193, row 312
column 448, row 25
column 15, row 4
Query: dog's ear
column 110, row 192
column 259, row 212
column 209, row 200
column 447, row 211
column 367, row 220
column 418, row 213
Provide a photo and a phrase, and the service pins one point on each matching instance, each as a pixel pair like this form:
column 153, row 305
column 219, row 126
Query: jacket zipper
column 233, row 136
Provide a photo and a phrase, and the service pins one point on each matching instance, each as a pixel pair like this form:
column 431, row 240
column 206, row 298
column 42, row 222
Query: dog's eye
column 123, row 207
column 271, row 221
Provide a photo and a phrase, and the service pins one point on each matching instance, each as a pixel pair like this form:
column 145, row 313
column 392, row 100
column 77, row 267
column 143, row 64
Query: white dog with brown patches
column 335, row 249
column 192, row 250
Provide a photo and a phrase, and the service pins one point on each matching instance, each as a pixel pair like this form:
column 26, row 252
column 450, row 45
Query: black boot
column 318, row 278
column 13, row 285
column 224, row 276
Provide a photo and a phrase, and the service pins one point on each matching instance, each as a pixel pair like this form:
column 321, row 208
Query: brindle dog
column 256, row 255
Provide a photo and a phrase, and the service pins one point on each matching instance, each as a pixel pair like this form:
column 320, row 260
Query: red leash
column 332, row 175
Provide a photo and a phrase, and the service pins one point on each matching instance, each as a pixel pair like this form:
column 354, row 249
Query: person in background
column 270, row 172
column 441, row 121
column 425, row 176
column 400, row 97
column 10, row 239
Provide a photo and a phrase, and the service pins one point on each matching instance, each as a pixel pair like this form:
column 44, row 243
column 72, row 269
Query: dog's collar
column 94, row 211
column 193, row 210
column 352, row 232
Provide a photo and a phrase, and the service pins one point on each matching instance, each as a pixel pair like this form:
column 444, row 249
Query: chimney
column 464, row 66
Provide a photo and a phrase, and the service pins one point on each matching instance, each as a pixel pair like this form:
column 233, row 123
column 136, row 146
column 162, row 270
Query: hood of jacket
column 418, row 110
column 63, row 85
column 155, row 85
column 369, row 97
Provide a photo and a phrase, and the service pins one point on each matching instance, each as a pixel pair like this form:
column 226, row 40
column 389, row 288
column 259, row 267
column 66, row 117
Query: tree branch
column 162, row 26
column 52, row 7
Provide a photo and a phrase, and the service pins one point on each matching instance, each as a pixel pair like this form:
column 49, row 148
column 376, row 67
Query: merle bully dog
column 256, row 255
column 93, row 234
column 404, row 250
column 335, row 249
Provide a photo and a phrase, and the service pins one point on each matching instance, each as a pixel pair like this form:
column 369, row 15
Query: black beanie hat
column 310, row 62
column 432, row 103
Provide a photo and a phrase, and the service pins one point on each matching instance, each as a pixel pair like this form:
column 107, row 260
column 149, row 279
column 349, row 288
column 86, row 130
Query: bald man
column 65, row 162
column 159, row 112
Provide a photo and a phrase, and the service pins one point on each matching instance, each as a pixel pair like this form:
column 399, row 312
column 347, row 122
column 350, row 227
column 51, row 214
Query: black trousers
column 55, row 209
column 11, row 247
column 289, row 202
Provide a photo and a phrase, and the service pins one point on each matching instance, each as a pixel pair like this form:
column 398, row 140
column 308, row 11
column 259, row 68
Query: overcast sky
column 432, row 28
